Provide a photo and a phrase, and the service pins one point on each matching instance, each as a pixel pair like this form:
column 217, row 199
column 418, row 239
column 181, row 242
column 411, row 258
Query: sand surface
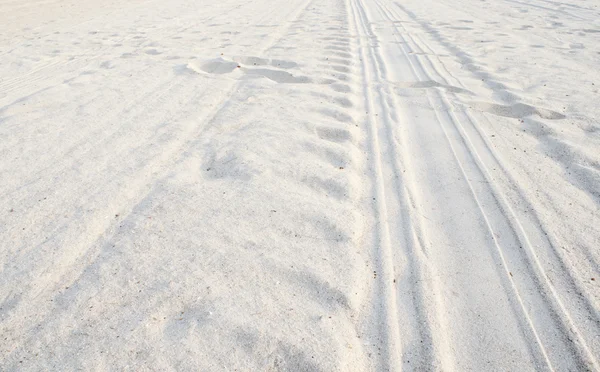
column 321, row 185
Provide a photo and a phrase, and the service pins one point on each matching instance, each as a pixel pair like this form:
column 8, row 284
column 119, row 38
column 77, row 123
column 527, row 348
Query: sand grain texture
column 299, row 185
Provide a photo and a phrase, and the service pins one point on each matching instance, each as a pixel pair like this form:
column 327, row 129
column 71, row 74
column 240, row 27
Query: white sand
column 300, row 185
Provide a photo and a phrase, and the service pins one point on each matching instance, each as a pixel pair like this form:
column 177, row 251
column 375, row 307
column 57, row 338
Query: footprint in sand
column 517, row 110
column 220, row 66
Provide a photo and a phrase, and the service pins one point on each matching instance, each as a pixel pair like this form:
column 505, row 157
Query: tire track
column 405, row 317
column 553, row 299
column 471, row 167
